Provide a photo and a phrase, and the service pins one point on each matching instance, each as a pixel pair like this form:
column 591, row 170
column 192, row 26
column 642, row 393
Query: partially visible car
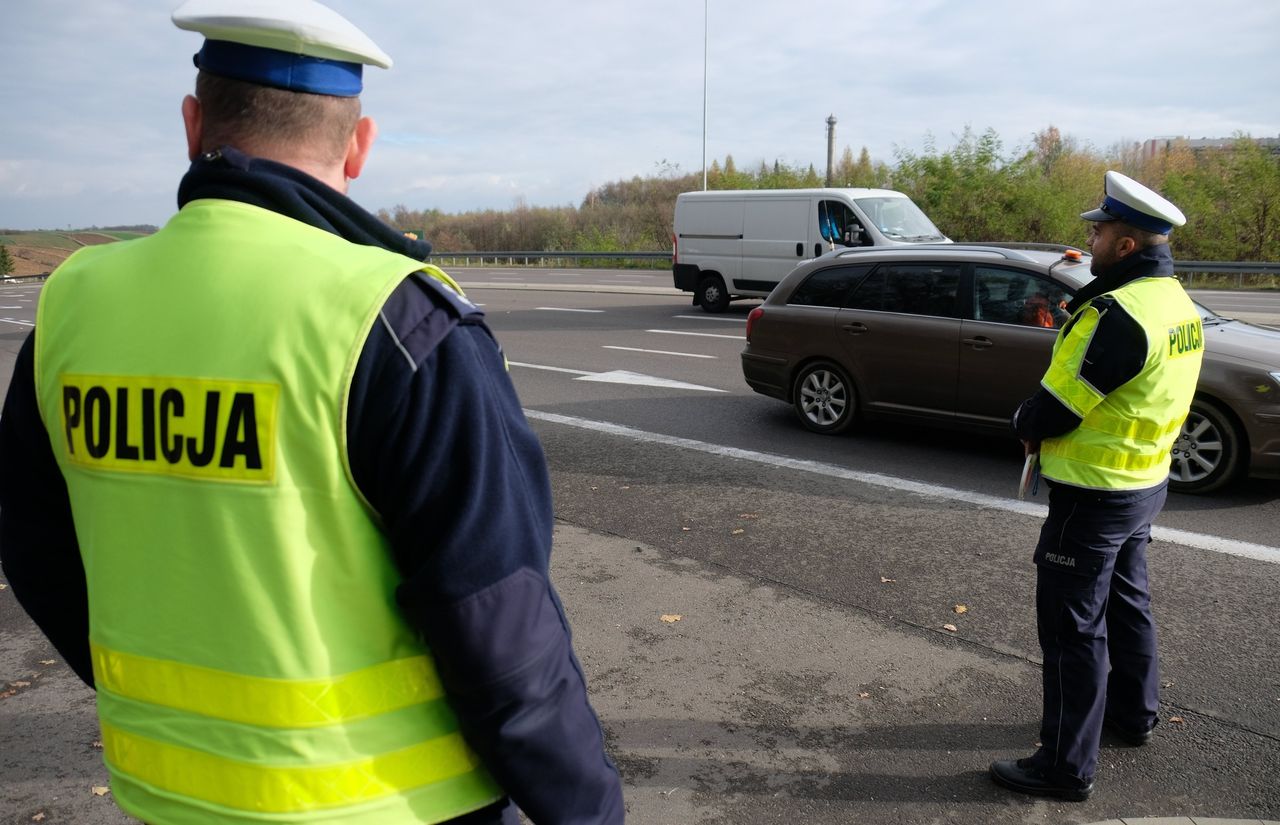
column 959, row 335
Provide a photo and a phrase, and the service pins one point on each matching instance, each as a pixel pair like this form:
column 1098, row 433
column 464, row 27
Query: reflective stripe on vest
column 252, row 663
column 1124, row 438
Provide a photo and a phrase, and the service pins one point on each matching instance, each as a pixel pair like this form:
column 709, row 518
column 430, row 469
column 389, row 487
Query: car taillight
column 675, row 249
column 752, row 317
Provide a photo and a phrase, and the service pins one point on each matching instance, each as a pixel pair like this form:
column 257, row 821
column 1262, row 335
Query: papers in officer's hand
column 1030, row 482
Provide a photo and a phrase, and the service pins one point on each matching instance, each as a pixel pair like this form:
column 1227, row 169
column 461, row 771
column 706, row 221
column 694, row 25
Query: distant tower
column 831, row 147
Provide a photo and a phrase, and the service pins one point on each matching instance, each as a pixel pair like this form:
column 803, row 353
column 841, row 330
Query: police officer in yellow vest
column 282, row 508
column 1120, row 383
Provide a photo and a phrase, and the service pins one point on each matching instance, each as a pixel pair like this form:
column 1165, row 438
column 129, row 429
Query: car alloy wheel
column 824, row 398
column 1206, row 454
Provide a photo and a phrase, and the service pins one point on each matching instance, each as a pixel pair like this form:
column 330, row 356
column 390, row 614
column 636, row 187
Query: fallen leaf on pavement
column 5, row 694
column 686, row 529
column 100, row 790
column 739, row 531
column 748, row 515
column 20, row 684
column 4, row 587
column 1177, row 720
column 883, row 580
column 950, row 627
column 39, row 817
column 48, row 661
column 864, row 695
column 961, row 608
column 97, row 744
column 671, row 617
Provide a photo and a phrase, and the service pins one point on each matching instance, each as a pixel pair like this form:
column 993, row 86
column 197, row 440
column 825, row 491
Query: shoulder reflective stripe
column 1102, row 457
column 1063, row 376
column 273, row 789
column 443, row 277
column 278, row 703
column 1144, row 430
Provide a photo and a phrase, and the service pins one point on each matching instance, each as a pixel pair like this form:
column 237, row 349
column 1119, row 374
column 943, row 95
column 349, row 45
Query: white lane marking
column 710, row 318
column 661, row 352
column 699, row 334
column 637, row 379
column 500, row 278
column 18, row 323
column 544, row 367
column 1186, row 538
column 10, row 307
column 566, row 309
column 620, row 377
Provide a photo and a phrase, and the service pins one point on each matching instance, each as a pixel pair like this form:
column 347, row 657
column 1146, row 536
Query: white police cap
column 299, row 45
column 1129, row 201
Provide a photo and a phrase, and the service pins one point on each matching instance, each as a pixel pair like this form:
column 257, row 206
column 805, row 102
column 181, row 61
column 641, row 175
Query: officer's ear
column 1126, row 245
column 193, row 121
column 358, row 147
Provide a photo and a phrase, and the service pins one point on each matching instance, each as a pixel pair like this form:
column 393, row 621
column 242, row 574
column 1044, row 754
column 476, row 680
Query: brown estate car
column 960, row 335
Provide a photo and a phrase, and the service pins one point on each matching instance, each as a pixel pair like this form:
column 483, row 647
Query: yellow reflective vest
column 250, row 661
column 1124, row 437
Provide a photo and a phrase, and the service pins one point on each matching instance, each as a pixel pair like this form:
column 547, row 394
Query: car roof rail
column 1037, row 247
column 1008, row 252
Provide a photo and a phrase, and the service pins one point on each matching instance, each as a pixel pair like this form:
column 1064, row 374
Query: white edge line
column 550, row 369
column 660, row 352
column 711, row 318
column 566, row 309
column 1201, row 541
column 698, row 334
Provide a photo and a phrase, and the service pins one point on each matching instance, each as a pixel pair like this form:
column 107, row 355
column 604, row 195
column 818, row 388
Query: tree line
column 973, row 191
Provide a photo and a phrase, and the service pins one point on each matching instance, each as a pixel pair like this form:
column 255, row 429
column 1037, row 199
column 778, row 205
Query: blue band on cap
column 1124, row 212
column 270, row 67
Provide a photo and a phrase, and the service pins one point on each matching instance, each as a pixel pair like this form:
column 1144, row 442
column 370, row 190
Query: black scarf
column 229, row 174
column 1152, row 262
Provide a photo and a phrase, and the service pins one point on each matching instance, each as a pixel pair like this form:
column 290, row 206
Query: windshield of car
column 899, row 219
column 1207, row 316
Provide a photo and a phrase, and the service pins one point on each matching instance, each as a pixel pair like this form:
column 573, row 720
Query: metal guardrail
column 511, row 258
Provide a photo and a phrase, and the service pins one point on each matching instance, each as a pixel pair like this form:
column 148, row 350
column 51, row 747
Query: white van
column 740, row 243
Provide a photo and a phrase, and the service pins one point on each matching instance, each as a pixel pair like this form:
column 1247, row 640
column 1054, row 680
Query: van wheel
column 1208, row 451
column 712, row 295
column 824, row 398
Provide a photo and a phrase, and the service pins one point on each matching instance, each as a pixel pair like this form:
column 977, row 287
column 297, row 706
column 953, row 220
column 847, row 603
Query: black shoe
column 1130, row 736
column 1022, row 776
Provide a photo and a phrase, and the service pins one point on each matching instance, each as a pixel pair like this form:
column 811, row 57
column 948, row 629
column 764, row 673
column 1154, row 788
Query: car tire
column 712, row 296
column 824, row 398
column 1208, row 451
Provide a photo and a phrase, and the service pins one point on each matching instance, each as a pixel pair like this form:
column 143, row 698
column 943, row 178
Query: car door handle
column 817, row 250
column 854, row 328
column 799, row 250
column 981, row 342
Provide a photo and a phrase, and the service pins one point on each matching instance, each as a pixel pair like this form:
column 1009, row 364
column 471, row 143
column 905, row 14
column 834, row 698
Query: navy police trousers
column 1093, row 614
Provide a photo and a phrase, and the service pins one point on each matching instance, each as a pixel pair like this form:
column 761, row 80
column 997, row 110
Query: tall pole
column 831, row 147
column 705, row 17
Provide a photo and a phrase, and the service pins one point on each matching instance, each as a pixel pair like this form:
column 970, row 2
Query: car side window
column 828, row 287
column 1008, row 296
column 915, row 289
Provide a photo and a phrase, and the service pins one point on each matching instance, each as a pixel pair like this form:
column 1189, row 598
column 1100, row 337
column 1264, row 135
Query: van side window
column 828, row 287
column 914, row 289
column 1006, row 296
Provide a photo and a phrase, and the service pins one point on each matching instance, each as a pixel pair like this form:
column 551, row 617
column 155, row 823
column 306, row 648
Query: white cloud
column 488, row 102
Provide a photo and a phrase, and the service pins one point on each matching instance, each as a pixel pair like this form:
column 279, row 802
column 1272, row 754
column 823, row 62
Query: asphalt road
column 811, row 676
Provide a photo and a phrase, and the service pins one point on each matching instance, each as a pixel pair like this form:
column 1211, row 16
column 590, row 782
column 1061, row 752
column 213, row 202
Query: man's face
column 1104, row 242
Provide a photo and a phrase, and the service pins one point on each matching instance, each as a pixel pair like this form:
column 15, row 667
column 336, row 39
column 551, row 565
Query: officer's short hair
column 249, row 116
column 1141, row 237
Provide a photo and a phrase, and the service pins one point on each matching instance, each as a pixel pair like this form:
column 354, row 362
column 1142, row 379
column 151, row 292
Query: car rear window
column 828, row 287
column 913, row 289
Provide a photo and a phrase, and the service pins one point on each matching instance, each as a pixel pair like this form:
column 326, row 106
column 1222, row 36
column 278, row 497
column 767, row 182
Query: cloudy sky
column 491, row 102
